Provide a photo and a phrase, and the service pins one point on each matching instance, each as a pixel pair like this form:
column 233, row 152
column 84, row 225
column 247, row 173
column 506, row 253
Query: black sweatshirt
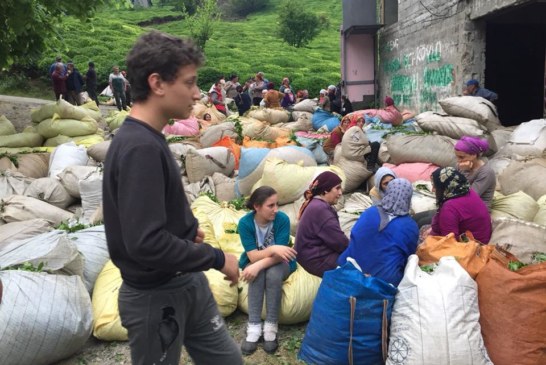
column 149, row 225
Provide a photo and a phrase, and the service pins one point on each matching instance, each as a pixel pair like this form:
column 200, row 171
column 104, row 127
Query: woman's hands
column 251, row 272
column 285, row 253
column 465, row 165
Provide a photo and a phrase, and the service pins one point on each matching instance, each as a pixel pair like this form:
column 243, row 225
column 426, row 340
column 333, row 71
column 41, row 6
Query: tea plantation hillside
column 237, row 46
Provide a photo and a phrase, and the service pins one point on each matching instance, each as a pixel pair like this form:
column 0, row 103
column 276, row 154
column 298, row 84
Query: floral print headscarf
column 449, row 184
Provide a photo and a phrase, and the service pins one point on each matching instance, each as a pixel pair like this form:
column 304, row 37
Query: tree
column 202, row 23
column 26, row 26
column 298, row 27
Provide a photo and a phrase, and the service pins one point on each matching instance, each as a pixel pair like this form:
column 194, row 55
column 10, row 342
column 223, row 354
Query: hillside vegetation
column 243, row 46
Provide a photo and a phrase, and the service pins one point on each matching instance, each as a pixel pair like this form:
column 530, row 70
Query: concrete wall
column 433, row 49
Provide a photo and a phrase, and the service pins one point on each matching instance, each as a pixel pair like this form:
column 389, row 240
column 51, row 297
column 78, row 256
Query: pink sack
column 413, row 171
column 183, row 127
column 390, row 115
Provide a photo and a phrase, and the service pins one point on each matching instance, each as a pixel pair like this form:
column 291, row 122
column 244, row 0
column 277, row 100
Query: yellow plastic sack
column 206, row 225
column 116, row 119
column 219, row 214
column 107, row 323
column 298, row 294
column 226, row 296
column 21, row 140
column 55, row 126
column 6, row 128
column 518, row 205
column 230, row 242
column 540, row 217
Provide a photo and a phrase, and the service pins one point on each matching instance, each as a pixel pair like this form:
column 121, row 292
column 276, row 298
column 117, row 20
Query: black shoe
column 248, row 348
column 271, row 346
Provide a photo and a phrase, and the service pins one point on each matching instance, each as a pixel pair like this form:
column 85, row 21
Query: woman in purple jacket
column 460, row 208
column 319, row 239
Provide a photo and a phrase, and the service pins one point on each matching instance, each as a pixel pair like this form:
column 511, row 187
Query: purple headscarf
column 472, row 145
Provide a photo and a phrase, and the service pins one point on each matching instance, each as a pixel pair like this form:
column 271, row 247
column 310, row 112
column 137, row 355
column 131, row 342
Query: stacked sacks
column 415, row 171
column 349, row 157
column 18, row 231
column 261, row 130
column 253, row 161
column 200, row 109
column 298, row 294
column 307, row 105
column 472, row 107
column 51, row 191
column 66, row 155
column 291, row 180
column 540, row 217
column 314, row 145
column 11, row 139
column 64, row 120
column 527, row 141
column 352, row 209
column 183, row 127
column 98, row 151
column 13, row 183
column 195, row 190
column 53, row 315
column 32, row 165
column 18, row 208
column 526, row 176
column 435, row 319
column 214, row 133
column 434, row 149
column 116, row 119
column 271, row 116
column 206, row 161
column 302, row 122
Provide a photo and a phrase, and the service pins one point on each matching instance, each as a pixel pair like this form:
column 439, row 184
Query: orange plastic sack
column 284, row 141
column 513, row 311
column 230, row 144
column 249, row 143
column 471, row 255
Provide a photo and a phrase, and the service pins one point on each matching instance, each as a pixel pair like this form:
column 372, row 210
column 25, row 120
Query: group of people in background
column 68, row 83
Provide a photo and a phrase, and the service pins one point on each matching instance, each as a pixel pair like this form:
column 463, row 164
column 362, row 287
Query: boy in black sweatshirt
column 164, row 301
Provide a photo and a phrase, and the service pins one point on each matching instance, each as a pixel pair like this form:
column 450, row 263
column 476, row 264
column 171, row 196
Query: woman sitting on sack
column 460, row 208
column 266, row 263
column 336, row 136
column 319, row 238
column 385, row 235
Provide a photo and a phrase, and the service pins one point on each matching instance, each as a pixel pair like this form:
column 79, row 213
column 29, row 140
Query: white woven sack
column 91, row 194
column 17, row 208
column 355, row 144
column 438, row 150
column 299, row 115
column 527, row 141
column 307, row 105
column 303, row 124
column 71, row 176
column 194, row 190
column 529, row 177
column 207, row 161
column 355, row 172
column 53, row 250
column 214, row 133
column 91, row 243
column 65, row 155
column 445, row 125
column 501, row 137
column 17, row 231
column 473, row 107
column 521, row 238
column 98, row 151
column 224, row 187
column 435, row 318
column 51, row 191
column 13, row 183
column 384, row 155
column 43, row 318
column 179, row 151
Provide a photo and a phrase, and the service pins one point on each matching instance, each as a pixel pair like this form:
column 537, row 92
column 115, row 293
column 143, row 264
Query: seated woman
column 319, row 238
column 335, row 137
column 480, row 176
column 385, row 235
column 460, row 208
column 266, row 263
column 382, row 177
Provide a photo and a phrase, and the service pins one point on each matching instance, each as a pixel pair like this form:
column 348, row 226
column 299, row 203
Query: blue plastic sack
column 315, row 146
column 250, row 159
column 322, row 117
column 350, row 318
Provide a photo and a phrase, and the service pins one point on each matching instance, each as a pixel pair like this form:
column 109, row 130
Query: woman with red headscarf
column 319, row 239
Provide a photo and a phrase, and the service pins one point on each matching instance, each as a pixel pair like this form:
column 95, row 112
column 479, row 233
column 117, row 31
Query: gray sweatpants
column 268, row 281
column 180, row 312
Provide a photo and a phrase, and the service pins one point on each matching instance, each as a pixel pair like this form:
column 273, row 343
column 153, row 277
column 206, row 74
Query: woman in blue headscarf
column 382, row 178
column 385, row 235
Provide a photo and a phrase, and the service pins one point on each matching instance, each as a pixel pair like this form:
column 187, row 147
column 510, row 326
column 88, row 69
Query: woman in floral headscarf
column 460, row 208
column 385, row 235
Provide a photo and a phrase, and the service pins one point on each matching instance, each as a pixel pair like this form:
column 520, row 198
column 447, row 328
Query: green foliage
column 27, row 25
column 202, row 23
column 538, row 257
column 515, row 265
column 72, row 227
column 27, row 266
column 190, row 6
column 297, row 26
column 429, row 268
column 244, row 7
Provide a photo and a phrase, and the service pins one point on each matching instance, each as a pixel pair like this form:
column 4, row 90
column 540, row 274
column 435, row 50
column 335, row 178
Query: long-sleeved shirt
column 382, row 254
column 461, row 214
column 150, row 228
column 319, row 238
column 486, row 94
column 331, row 142
column 483, row 182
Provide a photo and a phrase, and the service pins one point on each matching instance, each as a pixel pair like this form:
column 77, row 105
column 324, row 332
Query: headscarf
column 449, row 183
column 473, row 82
column 472, row 145
column 322, row 183
column 379, row 175
column 396, row 202
column 389, row 101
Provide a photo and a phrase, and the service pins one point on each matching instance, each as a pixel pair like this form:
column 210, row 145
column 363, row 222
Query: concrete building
column 434, row 46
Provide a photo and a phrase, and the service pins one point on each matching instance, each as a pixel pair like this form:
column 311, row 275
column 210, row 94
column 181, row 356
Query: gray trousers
column 268, row 281
column 181, row 312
